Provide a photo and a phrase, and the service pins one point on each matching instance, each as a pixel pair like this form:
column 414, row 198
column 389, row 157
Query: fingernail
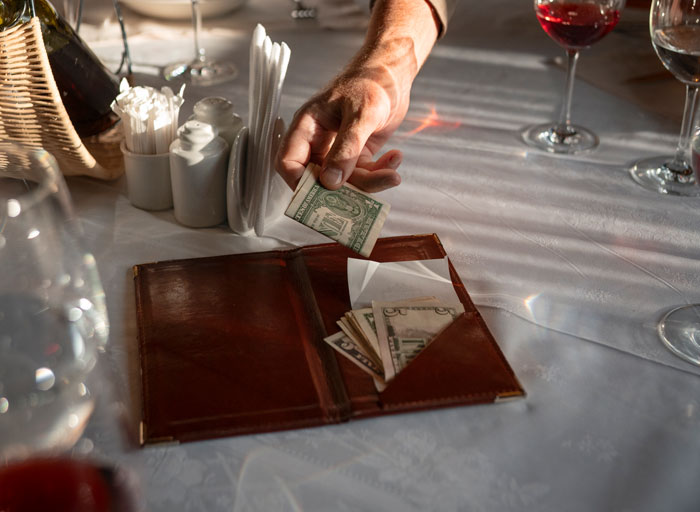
column 332, row 176
column 394, row 162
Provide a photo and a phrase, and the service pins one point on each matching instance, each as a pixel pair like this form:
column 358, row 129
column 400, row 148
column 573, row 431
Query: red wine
column 679, row 50
column 574, row 25
column 63, row 485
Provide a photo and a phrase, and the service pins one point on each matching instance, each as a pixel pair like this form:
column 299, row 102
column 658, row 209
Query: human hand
column 342, row 127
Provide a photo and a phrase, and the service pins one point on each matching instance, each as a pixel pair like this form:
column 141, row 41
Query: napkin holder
column 32, row 112
column 234, row 345
column 239, row 205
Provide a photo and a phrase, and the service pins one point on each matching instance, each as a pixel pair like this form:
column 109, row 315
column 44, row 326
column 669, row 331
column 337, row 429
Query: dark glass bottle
column 87, row 88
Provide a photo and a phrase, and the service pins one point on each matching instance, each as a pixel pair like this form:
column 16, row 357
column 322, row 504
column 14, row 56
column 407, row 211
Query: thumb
column 342, row 157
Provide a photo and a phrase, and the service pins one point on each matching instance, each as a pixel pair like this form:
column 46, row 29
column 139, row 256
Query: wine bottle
column 87, row 88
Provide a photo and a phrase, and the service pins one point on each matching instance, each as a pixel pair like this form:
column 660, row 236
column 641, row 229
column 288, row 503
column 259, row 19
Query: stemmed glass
column 574, row 25
column 53, row 320
column 201, row 70
column 675, row 35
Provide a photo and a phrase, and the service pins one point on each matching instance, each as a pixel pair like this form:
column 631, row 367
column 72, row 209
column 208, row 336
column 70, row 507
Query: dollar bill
column 349, row 349
column 363, row 320
column 348, row 215
column 404, row 330
column 359, row 339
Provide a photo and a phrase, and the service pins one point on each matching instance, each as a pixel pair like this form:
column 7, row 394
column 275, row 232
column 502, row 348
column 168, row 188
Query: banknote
column 404, row 330
column 363, row 321
column 358, row 338
column 348, row 348
column 348, row 215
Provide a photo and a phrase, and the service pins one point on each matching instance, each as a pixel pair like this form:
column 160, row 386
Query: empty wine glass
column 679, row 329
column 675, row 35
column 574, row 25
column 53, row 320
column 201, row 70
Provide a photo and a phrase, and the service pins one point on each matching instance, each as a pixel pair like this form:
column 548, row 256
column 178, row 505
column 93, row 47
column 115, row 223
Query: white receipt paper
column 398, row 280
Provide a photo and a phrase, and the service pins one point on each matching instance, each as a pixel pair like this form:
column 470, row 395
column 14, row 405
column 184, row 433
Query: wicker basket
column 32, row 113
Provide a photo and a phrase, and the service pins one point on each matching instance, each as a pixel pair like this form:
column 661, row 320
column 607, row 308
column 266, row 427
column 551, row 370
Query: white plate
column 181, row 9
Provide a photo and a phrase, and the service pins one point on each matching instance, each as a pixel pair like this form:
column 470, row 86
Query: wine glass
column 53, row 320
column 675, row 35
column 201, row 70
column 574, row 25
column 679, row 329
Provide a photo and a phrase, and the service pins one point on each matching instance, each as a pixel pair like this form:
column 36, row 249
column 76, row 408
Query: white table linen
column 570, row 262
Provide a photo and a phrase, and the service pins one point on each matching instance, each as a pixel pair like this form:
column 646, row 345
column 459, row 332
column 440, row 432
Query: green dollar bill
column 348, row 215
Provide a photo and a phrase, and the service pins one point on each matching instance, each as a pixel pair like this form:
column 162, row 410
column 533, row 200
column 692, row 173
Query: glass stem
column 679, row 164
column 564, row 127
column 197, row 27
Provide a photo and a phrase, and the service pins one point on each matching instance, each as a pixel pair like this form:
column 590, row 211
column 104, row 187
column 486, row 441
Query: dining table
column 568, row 260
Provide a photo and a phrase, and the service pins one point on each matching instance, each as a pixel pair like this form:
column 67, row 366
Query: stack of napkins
column 257, row 193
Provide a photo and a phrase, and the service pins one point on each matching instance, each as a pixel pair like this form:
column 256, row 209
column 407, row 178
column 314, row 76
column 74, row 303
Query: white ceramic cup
column 148, row 180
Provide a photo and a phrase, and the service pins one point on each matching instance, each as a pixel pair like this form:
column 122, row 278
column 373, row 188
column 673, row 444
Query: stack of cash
column 348, row 215
column 382, row 340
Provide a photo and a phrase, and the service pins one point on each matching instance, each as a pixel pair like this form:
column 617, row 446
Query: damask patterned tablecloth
column 569, row 261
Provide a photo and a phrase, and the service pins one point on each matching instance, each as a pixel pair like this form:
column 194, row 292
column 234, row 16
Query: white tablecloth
column 570, row 262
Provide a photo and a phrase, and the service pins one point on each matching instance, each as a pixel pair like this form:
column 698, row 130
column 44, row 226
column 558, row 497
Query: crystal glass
column 679, row 329
column 201, row 70
column 574, row 25
column 675, row 34
column 53, row 320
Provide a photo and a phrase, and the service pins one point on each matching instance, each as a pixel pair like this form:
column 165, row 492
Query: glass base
column 655, row 174
column 680, row 332
column 555, row 138
column 201, row 72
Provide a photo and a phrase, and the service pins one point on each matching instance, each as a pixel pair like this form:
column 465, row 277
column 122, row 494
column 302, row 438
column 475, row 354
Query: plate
column 181, row 9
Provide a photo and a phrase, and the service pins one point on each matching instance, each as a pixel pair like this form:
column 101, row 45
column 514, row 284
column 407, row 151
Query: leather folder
column 233, row 344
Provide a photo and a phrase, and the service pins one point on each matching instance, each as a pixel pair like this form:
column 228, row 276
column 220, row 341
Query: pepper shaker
column 198, row 167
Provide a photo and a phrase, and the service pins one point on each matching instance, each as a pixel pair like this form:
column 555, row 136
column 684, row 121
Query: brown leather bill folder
column 234, row 345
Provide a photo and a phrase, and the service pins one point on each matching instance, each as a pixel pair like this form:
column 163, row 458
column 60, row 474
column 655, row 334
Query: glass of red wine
column 675, row 35
column 574, row 25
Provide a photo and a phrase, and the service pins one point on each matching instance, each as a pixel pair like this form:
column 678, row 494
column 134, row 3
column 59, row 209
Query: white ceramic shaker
column 198, row 167
column 219, row 113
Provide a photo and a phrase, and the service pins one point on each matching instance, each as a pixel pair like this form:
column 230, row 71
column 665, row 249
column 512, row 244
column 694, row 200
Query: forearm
column 400, row 36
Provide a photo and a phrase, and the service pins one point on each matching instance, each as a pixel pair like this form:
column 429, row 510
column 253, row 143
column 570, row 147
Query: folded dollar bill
column 383, row 348
column 348, row 215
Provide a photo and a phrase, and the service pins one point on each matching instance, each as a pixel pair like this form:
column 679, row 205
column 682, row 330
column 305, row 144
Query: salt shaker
column 219, row 113
column 198, row 167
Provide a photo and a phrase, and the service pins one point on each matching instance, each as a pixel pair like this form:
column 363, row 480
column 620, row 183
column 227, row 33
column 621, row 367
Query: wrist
column 399, row 39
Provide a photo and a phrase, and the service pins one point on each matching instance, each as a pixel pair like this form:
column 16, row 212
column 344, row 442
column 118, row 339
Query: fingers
column 374, row 181
column 342, row 158
column 380, row 175
column 295, row 150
